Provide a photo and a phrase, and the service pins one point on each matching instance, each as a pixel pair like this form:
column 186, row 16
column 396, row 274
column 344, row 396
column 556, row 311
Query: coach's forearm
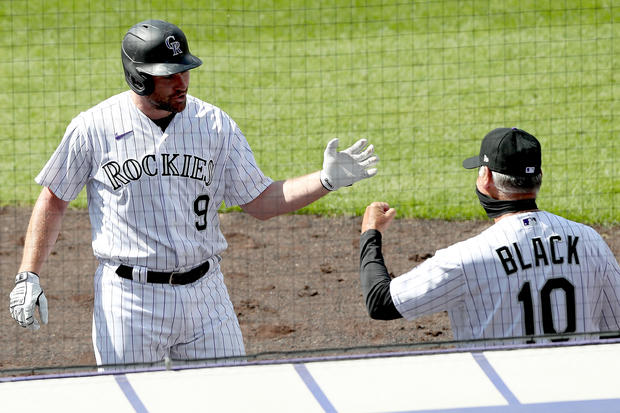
column 43, row 230
column 375, row 278
column 286, row 196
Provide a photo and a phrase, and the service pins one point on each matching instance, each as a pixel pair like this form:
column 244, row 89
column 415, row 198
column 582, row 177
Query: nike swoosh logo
column 117, row 137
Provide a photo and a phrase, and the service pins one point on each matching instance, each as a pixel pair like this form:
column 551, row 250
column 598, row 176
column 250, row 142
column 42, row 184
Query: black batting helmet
column 154, row 48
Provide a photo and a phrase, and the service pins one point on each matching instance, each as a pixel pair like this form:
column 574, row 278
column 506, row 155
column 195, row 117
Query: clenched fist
column 378, row 216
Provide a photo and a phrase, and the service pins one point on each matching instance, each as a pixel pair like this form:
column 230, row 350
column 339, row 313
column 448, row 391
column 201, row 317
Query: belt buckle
column 172, row 274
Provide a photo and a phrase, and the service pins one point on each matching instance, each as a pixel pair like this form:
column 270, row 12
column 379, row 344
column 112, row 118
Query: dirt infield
column 293, row 280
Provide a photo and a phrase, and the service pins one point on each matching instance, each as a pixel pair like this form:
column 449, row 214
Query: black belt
column 175, row 278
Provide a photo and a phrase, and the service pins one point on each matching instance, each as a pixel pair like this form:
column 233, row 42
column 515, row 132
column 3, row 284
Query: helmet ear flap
column 142, row 85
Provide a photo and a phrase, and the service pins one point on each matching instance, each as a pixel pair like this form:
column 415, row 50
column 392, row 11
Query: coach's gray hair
column 509, row 184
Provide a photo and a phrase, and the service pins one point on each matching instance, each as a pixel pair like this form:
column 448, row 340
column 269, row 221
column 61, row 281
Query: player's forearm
column 375, row 278
column 302, row 191
column 282, row 197
column 43, row 230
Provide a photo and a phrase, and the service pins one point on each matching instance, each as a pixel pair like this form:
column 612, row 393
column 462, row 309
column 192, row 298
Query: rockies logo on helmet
column 145, row 52
column 173, row 45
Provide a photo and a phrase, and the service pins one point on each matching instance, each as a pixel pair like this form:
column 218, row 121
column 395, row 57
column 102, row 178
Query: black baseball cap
column 509, row 151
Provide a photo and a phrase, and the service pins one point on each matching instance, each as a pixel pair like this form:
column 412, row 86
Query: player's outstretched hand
column 349, row 166
column 378, row 216
column 27, row 295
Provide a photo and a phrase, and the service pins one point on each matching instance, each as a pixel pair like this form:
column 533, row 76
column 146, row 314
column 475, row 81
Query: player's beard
column 170, row 104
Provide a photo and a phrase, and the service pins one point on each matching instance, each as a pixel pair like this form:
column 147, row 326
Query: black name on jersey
column 191, row 167
column 543, row 253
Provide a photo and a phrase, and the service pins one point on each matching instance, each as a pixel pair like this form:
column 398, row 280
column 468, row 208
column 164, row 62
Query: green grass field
column 424, row 81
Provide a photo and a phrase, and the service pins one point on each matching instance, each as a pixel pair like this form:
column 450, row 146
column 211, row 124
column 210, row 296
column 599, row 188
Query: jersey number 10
column 525, row 296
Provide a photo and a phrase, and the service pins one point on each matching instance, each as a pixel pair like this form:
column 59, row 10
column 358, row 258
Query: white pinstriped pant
column 135, row 322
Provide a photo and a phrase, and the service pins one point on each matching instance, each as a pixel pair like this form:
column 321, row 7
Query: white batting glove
column 27, row 295
column 349, row 166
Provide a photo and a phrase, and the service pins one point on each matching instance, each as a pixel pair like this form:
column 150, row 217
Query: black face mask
column 496, row 208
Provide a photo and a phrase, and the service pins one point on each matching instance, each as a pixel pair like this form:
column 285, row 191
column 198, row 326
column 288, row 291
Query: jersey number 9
column 201, row 206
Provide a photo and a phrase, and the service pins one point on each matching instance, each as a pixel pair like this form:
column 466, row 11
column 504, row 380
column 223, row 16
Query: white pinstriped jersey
column 530, row 273
column 153, row 196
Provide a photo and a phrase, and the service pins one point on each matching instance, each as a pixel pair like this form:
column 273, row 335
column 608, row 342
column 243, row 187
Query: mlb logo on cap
column 530, row 169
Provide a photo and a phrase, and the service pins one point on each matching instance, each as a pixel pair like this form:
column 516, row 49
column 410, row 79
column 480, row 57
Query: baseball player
column 157, row 163
column 530, row 275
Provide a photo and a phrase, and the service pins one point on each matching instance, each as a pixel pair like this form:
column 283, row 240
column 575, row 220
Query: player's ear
column 485, row 178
